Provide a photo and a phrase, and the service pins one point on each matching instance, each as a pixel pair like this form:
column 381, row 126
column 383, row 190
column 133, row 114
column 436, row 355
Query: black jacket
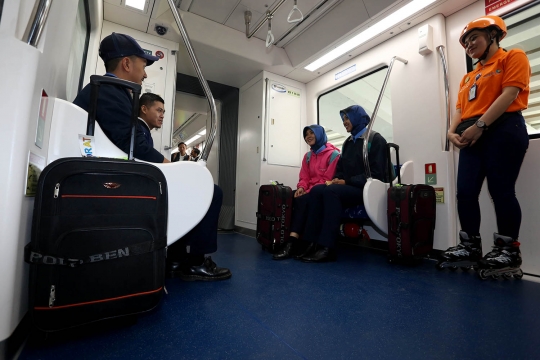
column 350, row 166
column 114, row 117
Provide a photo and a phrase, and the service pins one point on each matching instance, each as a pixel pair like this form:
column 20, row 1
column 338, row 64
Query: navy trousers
column 497, row 156
column 299, row 213
column 202, row 239
column 325, row 206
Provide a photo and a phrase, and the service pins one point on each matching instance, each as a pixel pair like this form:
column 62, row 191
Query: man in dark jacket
column 124, row 59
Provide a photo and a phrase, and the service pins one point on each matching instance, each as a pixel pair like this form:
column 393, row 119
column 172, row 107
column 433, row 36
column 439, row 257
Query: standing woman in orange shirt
column 490, row 131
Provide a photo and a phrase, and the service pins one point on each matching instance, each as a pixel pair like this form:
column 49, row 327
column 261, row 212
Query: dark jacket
column 114, row 117
column 350, row 166
column 176, row 157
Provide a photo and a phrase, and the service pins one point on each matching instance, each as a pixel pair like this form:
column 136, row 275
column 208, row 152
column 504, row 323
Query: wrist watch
column 482, row 125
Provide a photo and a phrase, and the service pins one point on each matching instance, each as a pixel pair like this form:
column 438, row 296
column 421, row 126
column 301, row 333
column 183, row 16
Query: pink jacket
column 319, row 168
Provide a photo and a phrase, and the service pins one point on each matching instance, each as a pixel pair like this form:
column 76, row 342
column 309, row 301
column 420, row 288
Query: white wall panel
column 25, row 75
column 254, row 141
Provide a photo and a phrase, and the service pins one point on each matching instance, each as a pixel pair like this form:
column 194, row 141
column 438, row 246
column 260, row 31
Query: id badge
column 472, row 93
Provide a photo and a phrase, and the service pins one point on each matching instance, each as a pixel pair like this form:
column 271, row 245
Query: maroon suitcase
column 411, row 219
column 274, row 216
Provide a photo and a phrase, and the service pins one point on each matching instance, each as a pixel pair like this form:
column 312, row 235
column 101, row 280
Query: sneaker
column 207, row 271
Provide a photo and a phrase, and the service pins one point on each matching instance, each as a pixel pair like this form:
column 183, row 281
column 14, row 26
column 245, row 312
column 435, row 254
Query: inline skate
column 465, row 255
column 504, row 260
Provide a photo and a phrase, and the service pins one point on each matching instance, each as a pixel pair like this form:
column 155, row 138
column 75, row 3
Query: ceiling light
column 202, row 133
column 136, row 4
column 372, row 31
column 190, row 140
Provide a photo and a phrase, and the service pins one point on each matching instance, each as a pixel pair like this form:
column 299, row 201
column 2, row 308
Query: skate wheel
column 453, row 268
column 439, row 266
column 495, row 276
column 519, row 275
column 507, row 276
column 482, row 274
column 466, row 268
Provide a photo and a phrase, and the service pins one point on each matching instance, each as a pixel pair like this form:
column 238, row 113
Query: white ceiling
column 217, row 32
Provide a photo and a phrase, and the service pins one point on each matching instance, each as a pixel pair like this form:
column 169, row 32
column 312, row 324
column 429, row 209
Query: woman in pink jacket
column 318, row 166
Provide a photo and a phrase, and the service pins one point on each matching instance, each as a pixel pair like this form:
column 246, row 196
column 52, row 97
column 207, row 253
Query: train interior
column 240, row 80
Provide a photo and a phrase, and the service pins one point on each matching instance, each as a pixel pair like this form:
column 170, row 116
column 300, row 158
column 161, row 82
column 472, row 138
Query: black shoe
column 311, row 249
column 324, row 254
column 285, row 253
column 173, row 269
column 208, row 271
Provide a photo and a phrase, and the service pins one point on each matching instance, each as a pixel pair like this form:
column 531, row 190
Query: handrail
column 374, row 115
column 247, row 18
column 35, row 26
column 204, row 83
column 440, row 48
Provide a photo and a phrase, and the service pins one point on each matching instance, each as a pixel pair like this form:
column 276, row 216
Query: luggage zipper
column 56, row 190
column 160, row 188
column 52, row 296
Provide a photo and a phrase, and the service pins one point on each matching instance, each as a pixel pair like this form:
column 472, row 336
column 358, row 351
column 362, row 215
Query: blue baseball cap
column 121, row 45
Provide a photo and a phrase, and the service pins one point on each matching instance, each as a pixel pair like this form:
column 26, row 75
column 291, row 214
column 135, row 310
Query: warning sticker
column 439, row 195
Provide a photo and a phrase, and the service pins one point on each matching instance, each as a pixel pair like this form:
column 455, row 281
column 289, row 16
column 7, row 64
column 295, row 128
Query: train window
column 523, row 30
column 363, row 91
column 78, row 52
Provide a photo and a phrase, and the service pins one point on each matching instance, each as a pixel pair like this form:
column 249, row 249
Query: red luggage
column 274, row 214
column 411, row 219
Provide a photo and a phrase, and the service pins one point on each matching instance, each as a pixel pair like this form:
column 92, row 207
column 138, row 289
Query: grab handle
column 396, row 148
column 295, row 9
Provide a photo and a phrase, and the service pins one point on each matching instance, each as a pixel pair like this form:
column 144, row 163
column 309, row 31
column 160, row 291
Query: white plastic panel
column 248, row 162
column 283, row 124
column 190, row 184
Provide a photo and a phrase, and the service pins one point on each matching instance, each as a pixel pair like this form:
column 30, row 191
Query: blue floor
column 359, row 307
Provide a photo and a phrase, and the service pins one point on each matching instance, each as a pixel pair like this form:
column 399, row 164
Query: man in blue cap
column 124, row 59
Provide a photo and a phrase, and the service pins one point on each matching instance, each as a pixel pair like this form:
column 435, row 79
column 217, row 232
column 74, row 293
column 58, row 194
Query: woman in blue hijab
column 345, row 189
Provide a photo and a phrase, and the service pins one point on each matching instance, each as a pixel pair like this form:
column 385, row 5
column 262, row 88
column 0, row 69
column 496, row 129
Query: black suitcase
column 274, row 214
column 99, row 236
column 411, row 219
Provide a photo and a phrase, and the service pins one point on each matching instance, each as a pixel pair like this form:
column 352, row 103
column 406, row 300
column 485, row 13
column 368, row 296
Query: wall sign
column 347, row 71
column 41, row 119
column 499, row 7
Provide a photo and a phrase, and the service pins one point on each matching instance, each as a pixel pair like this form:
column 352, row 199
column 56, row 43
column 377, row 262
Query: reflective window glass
column 364, row 92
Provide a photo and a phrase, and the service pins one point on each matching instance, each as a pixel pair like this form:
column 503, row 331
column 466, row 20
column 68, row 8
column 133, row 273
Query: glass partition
column 523, row 33
column 364, row 92
column 78, row 52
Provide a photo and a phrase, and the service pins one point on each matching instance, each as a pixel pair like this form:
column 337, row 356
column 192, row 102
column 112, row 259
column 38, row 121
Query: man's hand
column 299, row 192
column 165, row 160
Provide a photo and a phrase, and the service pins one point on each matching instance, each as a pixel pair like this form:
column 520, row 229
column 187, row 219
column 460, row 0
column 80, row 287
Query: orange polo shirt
column 504, row 69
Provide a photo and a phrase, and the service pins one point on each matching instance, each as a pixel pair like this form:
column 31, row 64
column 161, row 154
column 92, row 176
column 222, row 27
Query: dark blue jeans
column 299, row 213
column 325, row 206
column 497, row 156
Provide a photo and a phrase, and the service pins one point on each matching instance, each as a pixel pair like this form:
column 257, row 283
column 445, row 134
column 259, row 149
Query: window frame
column 360, row 77
column 86, row 43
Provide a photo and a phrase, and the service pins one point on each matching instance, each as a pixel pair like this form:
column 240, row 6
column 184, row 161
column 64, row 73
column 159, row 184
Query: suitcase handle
column 95, row 82
column 396, row 147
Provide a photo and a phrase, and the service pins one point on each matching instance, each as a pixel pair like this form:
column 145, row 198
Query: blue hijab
column 320, row 137
column 358, row 117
